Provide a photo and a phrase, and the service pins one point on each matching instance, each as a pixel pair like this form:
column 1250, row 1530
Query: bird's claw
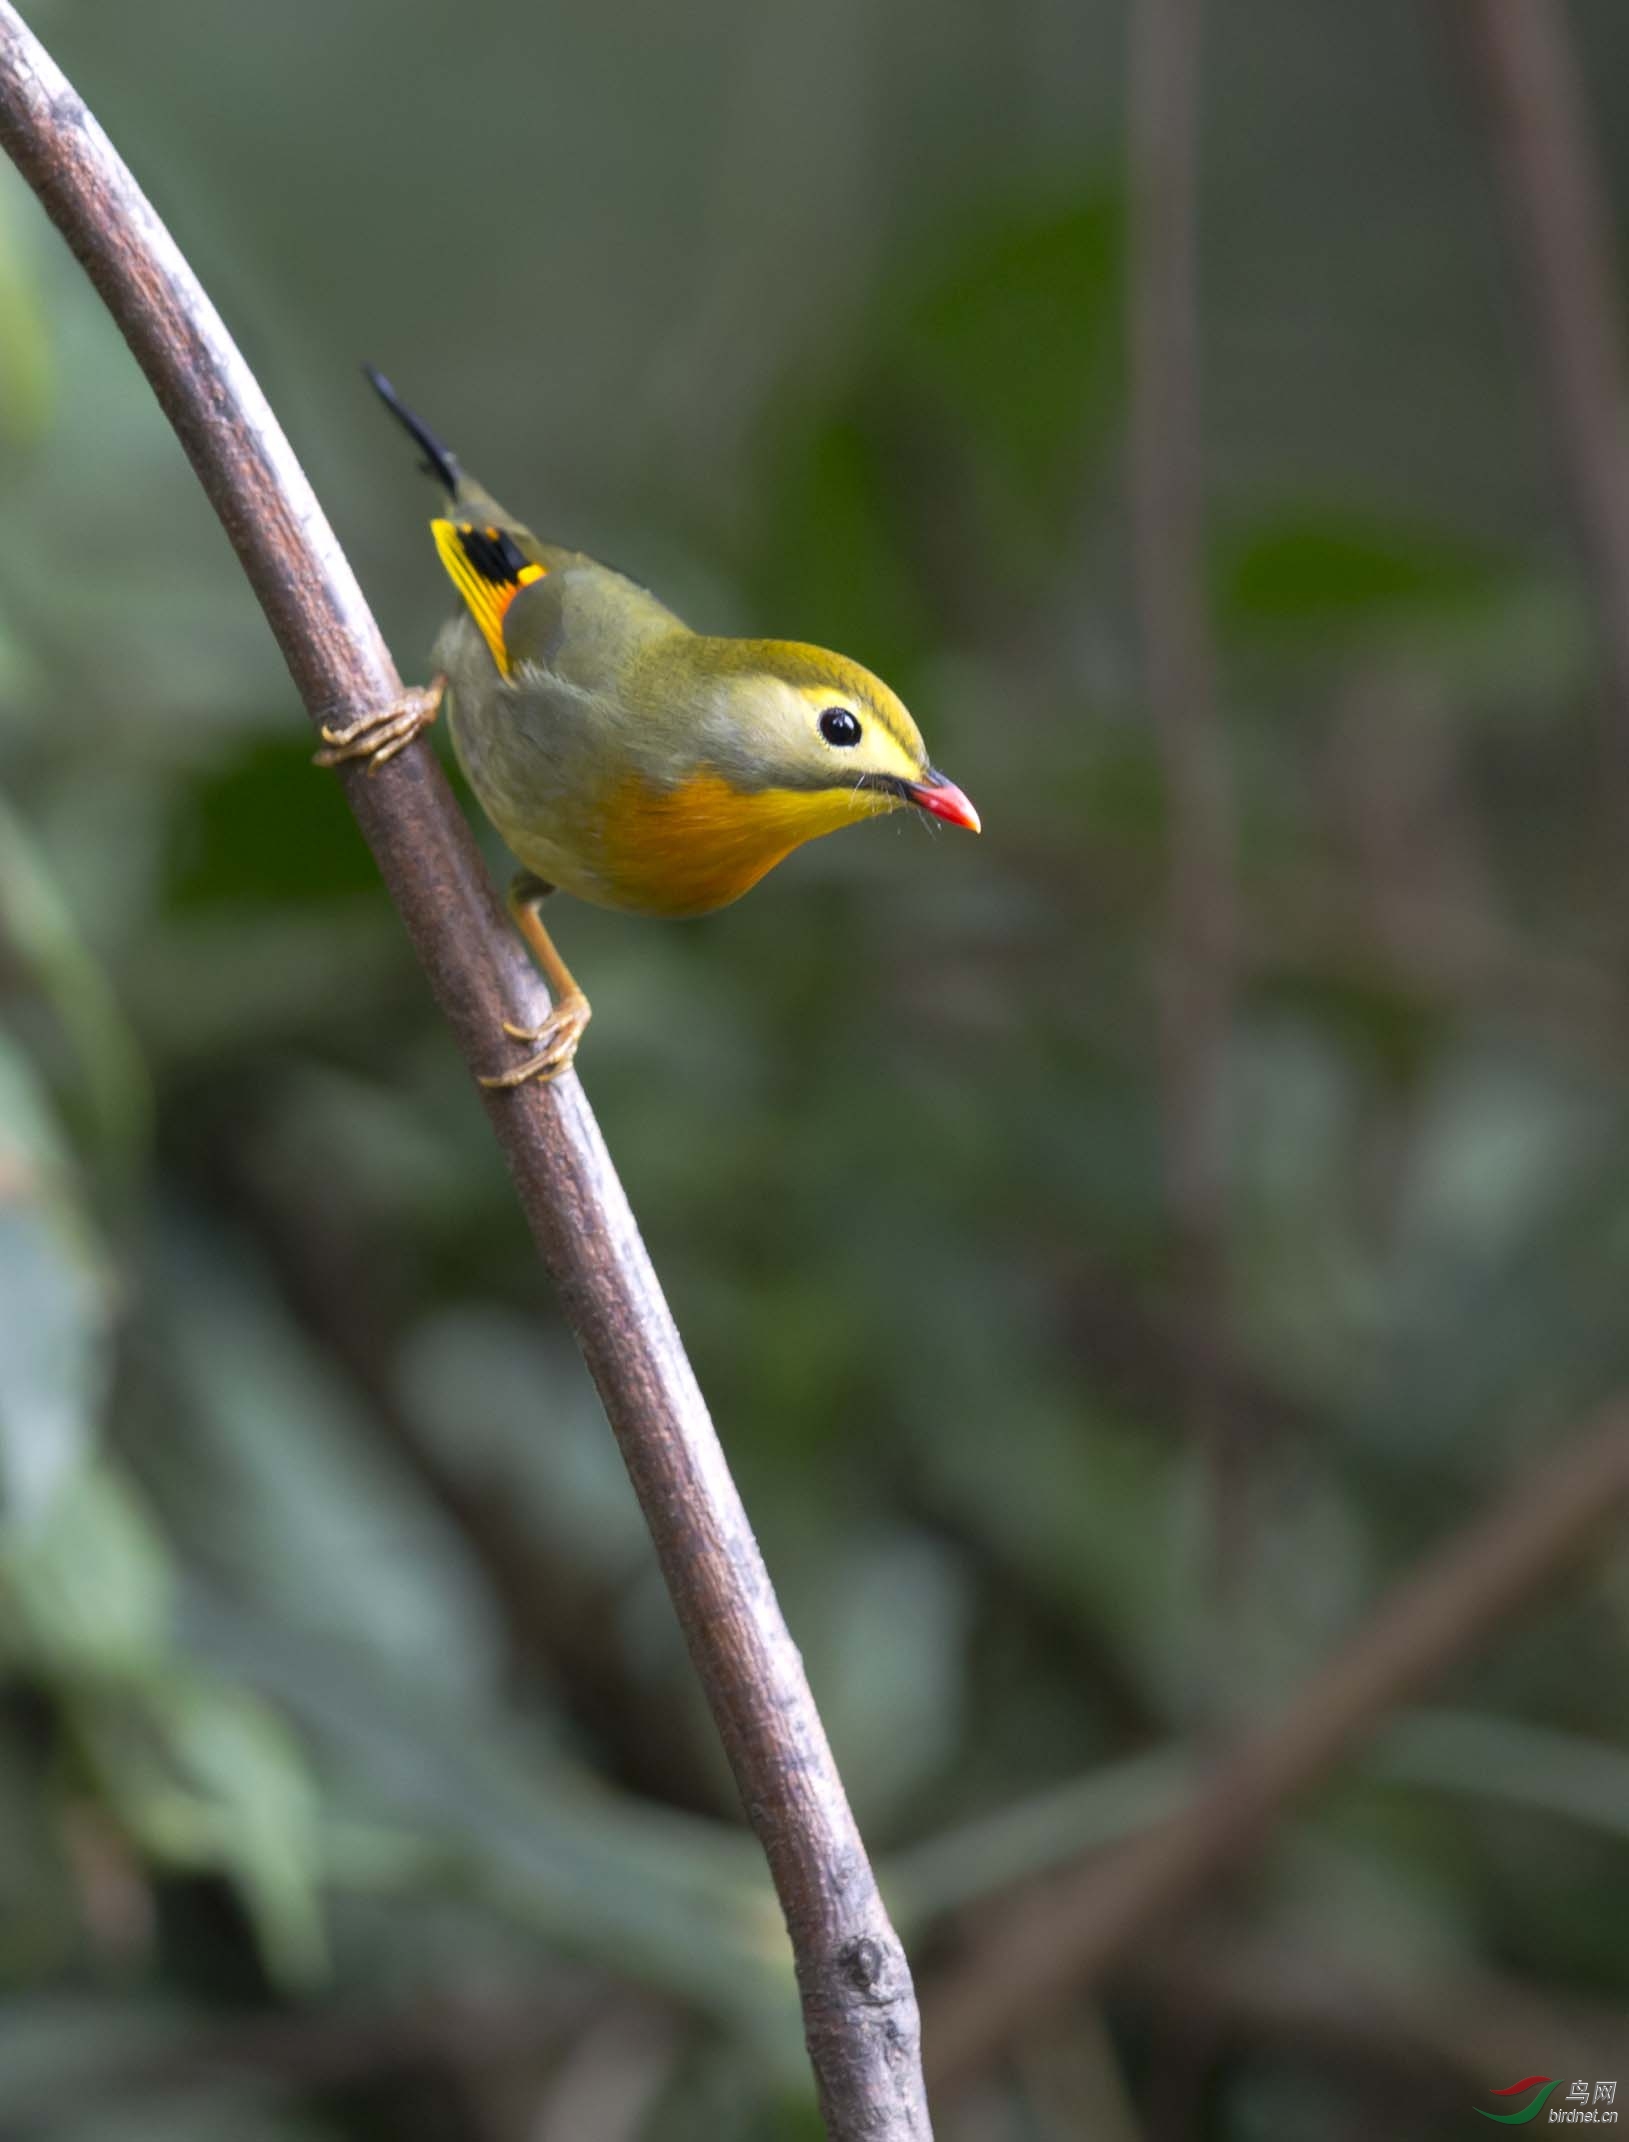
column 377, row 737
column 554, row 1044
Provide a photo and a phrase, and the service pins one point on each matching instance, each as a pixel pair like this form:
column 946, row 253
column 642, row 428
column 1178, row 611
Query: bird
column 624, row 758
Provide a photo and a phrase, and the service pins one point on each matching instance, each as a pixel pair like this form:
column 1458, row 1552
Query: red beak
column 943, row 799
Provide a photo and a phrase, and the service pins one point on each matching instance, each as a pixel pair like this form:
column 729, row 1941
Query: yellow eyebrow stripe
column 488, row 586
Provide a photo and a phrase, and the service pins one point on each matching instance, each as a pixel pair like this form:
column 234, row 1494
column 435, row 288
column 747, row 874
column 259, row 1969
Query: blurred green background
column 352, row 1779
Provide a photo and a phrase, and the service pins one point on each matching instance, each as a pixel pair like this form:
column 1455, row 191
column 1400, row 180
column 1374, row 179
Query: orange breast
column 687, row 850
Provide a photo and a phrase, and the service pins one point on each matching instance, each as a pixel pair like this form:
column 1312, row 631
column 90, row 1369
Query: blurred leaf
column 231, row 982
column 26, row 353
column 1033, row 1836
column 1318, row 568
column 234, row 838
column 55, row 1332
column 477, row 1382
column 1559, row 1774
column 59, row 2049
column 960, row 443
column 1389, row 1901
column 1017, row 340
column 1505, row 1282
column 843, row 562
column 88, row 1587
column 888, row 1656
column 1306, row 1279
column 267, row 1468
column 40, row 932
column 39, row 1910
column 207, row 1777
column 1083, row 1503
column 682, row 1902
column 227, row 2113
column 98, row 2107
column 200, row 1774
column 1462, row 1754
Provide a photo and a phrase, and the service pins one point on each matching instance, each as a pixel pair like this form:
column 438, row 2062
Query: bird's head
column 801, row 722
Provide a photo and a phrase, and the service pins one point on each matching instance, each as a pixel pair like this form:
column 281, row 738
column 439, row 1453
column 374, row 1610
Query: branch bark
column 1054, row 1945
column 859, row 2007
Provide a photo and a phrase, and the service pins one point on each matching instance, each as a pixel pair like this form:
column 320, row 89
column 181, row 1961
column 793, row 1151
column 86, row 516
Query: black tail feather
column 437, row 462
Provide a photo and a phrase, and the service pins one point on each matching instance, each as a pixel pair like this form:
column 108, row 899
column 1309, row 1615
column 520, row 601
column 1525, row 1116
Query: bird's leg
column 377, row 737
column 554, row 1041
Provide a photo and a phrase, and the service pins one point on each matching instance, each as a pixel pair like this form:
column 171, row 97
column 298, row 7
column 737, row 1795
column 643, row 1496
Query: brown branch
column 1166, row 485
column 858, row 2004
column 1526, row 71
column 1049, row 1947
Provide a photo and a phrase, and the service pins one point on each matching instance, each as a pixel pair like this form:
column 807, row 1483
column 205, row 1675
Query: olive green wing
column 583, row 622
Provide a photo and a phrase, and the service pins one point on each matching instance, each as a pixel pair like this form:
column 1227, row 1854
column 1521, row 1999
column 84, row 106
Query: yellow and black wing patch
column 489, row 569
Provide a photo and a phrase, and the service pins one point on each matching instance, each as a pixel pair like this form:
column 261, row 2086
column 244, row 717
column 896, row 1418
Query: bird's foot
column 377, row 737
column 553, row 1043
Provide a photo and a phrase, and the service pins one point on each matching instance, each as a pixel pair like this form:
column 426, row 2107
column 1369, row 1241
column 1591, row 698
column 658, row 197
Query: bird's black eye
column 838, row 726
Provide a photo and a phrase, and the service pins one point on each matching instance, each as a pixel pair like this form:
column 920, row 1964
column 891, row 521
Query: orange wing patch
column 488, row 569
